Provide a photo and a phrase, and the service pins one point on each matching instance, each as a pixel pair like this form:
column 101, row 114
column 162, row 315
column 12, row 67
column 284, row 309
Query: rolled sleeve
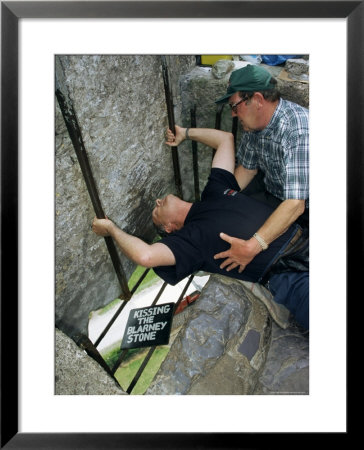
column 246, row 154
column 187, row 254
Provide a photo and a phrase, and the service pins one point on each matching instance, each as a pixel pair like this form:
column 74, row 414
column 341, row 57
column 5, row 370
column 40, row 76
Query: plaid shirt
column 281, row 152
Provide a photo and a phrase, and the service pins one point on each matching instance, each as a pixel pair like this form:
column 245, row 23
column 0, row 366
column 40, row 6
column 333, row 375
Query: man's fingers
column 225, row 254
column 234, row 257
column 226, row 263
column 170, row 138
column 232, row 267
column 222, row 255
column 230, row 264
column 226, row 237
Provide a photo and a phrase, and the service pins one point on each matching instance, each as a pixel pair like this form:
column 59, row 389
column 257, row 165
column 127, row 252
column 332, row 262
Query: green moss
column 113, row 355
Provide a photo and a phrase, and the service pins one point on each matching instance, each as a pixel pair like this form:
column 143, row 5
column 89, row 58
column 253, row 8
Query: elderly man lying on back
column 197, row 233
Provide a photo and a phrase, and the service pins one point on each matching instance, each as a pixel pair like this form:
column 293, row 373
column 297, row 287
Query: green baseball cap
column 249, row 79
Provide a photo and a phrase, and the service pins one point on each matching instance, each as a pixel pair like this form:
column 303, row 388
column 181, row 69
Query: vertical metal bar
column 70, row 118
column 109, row 325
column 184, row 291
column 141, row 369
column 84, row 342
column 169, row 102
column 139, row 282
column 159, row 293
column 195, row 157
column 234, row 128
column 219, row 110
column 118, row 362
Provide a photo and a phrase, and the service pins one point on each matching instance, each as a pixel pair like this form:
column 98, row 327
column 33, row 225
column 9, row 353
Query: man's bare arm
column 281, row 219
column 138, row 251
column 242, row 252
column 222, row 141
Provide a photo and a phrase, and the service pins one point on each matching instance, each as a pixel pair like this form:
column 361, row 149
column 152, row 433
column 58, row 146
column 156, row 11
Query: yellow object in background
column 211, row 59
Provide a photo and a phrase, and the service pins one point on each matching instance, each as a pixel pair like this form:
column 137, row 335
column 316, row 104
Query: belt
column 293, row 245
column 292, row 242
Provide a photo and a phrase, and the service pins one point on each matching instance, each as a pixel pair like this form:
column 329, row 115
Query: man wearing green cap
column 273, row 158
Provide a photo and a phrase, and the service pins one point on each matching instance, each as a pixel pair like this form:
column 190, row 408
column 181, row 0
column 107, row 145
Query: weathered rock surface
column 286, row 370
column 222, row 67
column 78, row 374
column 297, row 66
column 121, row 109
column 222, row 346
column 229, row 345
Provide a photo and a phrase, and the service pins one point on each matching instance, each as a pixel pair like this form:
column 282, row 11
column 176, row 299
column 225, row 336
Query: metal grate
column 74, row 131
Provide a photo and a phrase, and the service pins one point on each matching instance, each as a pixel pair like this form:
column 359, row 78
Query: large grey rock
column 286, row 369
column 221, row 68
column 121, row 109
column 221, row 348
column 228, row 344
column 78, row 374
column 292, row 87
column 297, row 66
column 294, row 90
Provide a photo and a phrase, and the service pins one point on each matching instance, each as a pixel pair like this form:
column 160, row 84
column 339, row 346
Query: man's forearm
column 146, row 255
column 222, row 141
column 132, row 247
column 281, row 219
column 209, row 136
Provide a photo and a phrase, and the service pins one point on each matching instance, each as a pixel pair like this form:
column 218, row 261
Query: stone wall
column 121, row 109
column 76, row 373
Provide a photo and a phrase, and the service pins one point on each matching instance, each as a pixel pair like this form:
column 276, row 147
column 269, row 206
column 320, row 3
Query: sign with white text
column 147, row 327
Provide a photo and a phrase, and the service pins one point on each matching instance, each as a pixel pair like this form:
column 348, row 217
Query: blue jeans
column 291, row 289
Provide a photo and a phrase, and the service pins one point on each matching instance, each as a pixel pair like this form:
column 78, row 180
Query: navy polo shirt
column 222, row 209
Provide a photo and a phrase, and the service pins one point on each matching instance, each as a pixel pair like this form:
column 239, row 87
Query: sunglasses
column 234, row 107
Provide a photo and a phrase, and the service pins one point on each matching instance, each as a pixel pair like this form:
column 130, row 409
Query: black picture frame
column 11, row 13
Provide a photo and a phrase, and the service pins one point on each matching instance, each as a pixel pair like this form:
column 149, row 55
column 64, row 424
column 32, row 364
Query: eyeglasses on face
column 234, row 107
